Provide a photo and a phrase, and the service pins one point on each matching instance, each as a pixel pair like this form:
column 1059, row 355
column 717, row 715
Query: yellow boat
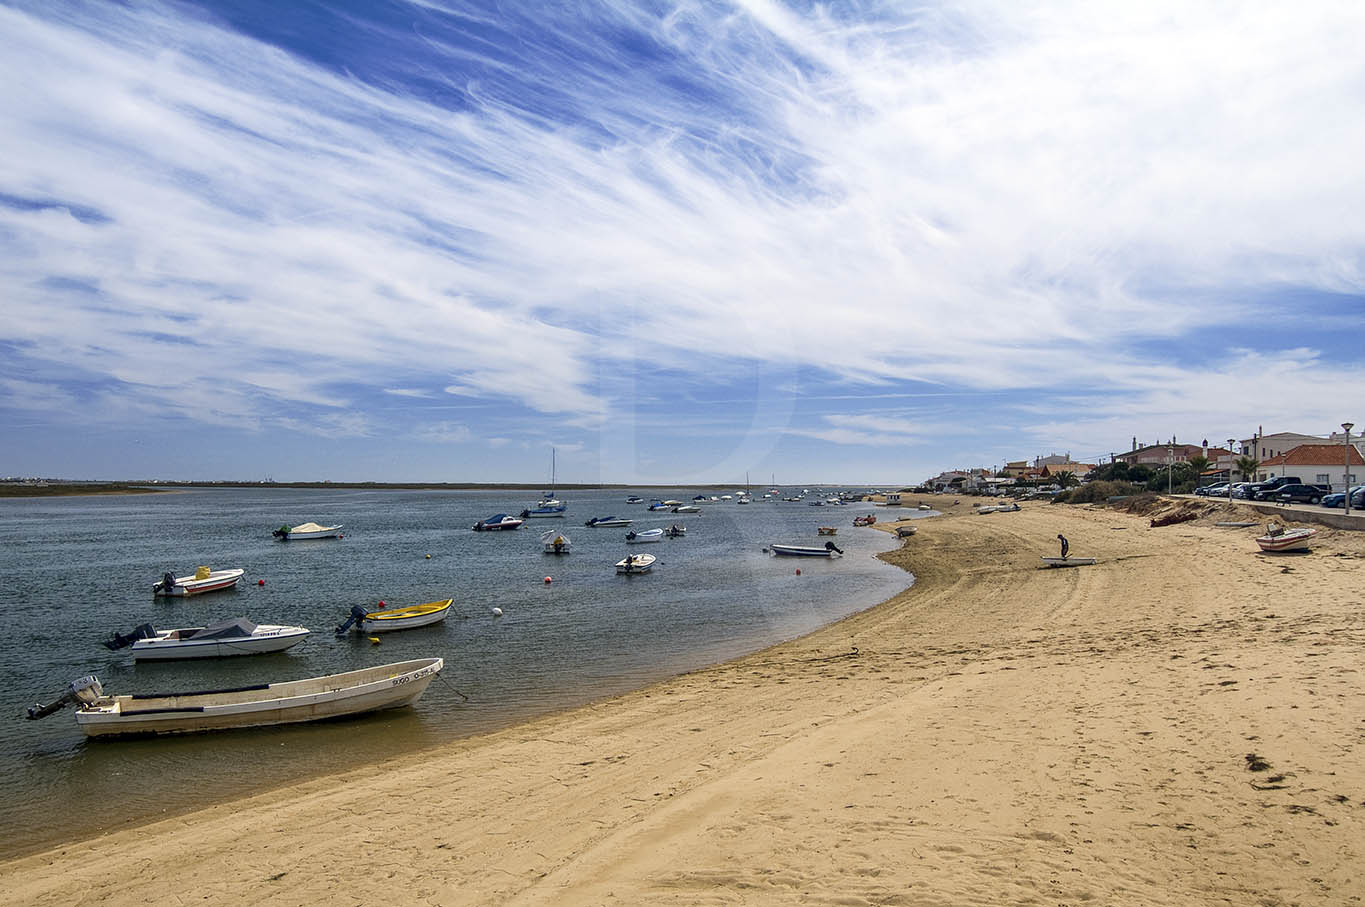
column 382, row 620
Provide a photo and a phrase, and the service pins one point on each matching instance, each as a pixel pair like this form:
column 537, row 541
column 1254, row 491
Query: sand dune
column 1177, row 724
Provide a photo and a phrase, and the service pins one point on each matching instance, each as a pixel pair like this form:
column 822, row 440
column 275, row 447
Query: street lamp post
column 1170, row 465
column 1231, row 441
column 1346, row 476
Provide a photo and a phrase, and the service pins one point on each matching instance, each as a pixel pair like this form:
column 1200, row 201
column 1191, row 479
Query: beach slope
column 1178, row 724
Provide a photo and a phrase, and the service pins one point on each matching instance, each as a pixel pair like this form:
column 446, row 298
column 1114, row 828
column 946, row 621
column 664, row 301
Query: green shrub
column 1096, row 492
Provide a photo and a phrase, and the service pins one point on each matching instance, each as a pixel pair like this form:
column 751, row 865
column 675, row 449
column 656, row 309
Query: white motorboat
column 387, row 686
column 1069, row 561
column 204, row 580
column 1279, row 539
column 545, row 510
column 675, row 531
column 555, row 542
column 644, row 535
column 608, row 521
column 829, row 550
column 687, row 508
column 305, row 531
column 497, row 522
column 660, row 505
column 383, row 619
column 237, row 636
column 635, row 499
column 635, row 563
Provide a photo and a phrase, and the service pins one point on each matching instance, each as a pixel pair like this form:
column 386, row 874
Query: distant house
column 1079, row 470
column 1264, row 447
column 1161, row 454
column 1318, row 464
column 1016, row 468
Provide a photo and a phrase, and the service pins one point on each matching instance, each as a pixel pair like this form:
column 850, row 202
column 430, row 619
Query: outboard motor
column 357, row 614
column 85, row 690
column 167, row 583
column 283, row 532
column 830, row 546
column 122, row 640
column 526, row 514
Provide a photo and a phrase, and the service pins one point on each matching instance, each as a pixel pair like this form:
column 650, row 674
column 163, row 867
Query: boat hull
column 216, row 581
column 266, row 639
column 1293, row 540
column 641, row 538
column 800, row 551
column 1068, row 561
column 309, row 531
column 640, row 563
column 334, row 696
column 405, row 618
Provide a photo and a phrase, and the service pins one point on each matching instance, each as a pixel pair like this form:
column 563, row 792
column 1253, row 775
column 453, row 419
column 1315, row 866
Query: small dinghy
column 644, row 535
column 827, row 530
column 904, row 532
column 675, row 531
column 387, row 686
column 1068, row 561
column 687, row 508
column 607, row 521
column 497, row 522
column 382, row 620
column 555, row 542
column 237, row 636
column 204, row 580
column 865, row 520
column 830, row 550
column 635, row 563
column 1277, row 538
column 304, row 531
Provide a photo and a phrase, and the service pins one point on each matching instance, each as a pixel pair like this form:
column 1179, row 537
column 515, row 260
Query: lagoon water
column 76, row 570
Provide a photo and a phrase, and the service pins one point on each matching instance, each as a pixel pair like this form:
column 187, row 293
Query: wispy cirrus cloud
column 228, row 222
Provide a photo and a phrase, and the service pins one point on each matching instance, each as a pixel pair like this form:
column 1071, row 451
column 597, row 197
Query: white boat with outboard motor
column 497, row 522
column 384, row 618
column 633, row 564
column 236, row 636
column 644, row 535
column 608, row 521
column 203, row 580
column 829, row 550
column 306, row 531
column 388, row 686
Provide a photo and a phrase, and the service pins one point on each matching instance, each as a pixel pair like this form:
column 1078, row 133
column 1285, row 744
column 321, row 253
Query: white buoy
column 497, row 612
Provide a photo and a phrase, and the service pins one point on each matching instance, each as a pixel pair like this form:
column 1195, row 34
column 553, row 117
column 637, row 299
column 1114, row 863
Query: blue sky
column 678, row 242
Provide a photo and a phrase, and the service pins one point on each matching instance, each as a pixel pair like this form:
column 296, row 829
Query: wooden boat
column 1278, row 539
column 204, row 580
column 644, row 535
column 555, row 542
column 304, row 531
column 382, row 620
column 387, row 686
column 865, row 520
column 608, row 521
column 1068, row 561
column 827, row 530
column 830, row 550
column 237, row 636
column 635, row 563
column 497, row 522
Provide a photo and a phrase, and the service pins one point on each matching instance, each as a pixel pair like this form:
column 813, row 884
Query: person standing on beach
column 1066, row 546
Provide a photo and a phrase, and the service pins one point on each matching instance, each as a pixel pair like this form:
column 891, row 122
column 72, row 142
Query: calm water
column 78, row 569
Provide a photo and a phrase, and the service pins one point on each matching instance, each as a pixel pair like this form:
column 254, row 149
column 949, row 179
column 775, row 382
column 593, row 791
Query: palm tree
column 1247, row 466
column 1066, row 479
column 1198, row 463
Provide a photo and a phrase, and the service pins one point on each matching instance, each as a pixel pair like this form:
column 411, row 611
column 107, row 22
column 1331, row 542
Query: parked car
column 1213, row 491
column 1338, row 498
column 1300, row 493
column 1265, row 491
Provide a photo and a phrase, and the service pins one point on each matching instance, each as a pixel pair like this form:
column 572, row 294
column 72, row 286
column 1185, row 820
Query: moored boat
column 827, row 530
column 635, row 563
column 865, row 520
column 555, row 542
column 1279, row 539
column 687, row 508
column 544, row 510
column 830, row 550
column 203, row 580
column 644, row 535
column 305, row 531
column 237, row 636
column 1069, row 561
column 607, row 521
column 384, row 619
column 497, row 522
column 353, row 692
column 675, row 531
column 660, row 505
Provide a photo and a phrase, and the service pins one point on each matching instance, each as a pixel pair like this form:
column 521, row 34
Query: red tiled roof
column 1317, row 455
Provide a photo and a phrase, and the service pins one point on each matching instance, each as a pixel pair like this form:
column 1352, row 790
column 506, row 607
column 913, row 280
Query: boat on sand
column 1278, row 539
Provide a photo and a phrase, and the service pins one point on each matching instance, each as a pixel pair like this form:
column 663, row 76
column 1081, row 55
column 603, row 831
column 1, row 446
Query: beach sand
column 1178, row 724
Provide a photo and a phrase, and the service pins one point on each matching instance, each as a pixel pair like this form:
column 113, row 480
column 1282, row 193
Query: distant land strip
column 60, row 488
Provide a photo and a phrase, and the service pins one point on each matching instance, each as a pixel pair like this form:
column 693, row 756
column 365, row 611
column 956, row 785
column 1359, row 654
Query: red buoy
column 381, row 603
column 798, row 571
column 260, row 582
column 547, row 580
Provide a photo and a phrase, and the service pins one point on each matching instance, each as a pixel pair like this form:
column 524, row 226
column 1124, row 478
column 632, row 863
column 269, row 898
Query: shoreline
column 1087, row 728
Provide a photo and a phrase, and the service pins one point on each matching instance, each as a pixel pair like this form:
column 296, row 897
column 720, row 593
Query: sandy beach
column 1177, row 724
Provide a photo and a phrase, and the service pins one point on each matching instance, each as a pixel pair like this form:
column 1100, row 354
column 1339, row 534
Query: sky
column 686, row 242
